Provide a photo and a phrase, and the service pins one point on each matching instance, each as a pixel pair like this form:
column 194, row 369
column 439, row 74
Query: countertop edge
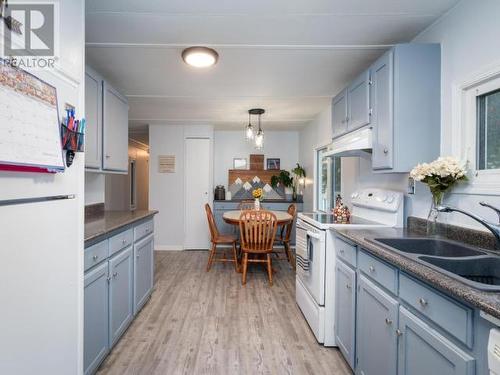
column 127, row 221
column 489, row 302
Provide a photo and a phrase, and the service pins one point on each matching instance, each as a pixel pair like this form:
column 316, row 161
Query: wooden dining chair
column 246, row 204
column 257, row 233
column 284, row 237
column 219, row 239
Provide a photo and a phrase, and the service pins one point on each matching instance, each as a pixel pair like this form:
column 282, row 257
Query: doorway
column 197, row 188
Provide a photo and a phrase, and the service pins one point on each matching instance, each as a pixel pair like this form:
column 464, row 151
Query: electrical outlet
column 411, row 186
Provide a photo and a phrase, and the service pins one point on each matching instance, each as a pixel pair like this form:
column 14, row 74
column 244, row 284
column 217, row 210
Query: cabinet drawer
column 345, row 251
column 382, row 273
column 95, row 254
column 449, row 314
column 143, row 230
column 120, row 241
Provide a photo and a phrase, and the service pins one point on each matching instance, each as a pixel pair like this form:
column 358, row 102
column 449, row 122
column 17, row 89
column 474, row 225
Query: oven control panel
column 377, row 198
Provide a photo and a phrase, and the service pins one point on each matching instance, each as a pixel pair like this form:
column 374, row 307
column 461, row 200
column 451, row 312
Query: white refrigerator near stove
column 316, row 259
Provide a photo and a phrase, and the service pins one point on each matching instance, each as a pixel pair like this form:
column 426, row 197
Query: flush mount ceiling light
column 200, row 57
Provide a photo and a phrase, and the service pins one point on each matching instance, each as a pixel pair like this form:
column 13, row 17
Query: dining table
column 233, row 217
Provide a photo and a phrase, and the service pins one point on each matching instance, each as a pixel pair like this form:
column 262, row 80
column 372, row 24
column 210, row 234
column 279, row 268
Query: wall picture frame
column 240, row 163
column 273, row 164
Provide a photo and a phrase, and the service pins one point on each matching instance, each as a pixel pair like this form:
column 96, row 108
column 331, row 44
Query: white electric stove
column 316, row 260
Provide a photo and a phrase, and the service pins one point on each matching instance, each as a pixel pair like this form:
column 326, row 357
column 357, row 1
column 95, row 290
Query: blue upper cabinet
column 358, row 102
column 345, row 310
column 376, row 335
column 339, row 114
column 406, row 104
column 422, row 350
column 95, row 317
column 399, row 98
column 382, row 99
column 120, row 294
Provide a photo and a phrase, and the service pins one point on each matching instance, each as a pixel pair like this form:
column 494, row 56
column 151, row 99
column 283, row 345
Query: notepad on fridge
column 29, row 122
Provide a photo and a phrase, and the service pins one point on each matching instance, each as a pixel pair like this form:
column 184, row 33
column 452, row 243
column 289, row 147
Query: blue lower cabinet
column 95, row 317
column 376, row 336
column 345, row 310
column 120, row 293
column 143, row 271
column 422, row 350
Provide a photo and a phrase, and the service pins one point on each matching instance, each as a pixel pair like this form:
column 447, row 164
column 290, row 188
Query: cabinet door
column 382, row 96
column 376, row 323
column 143, row 271
column 120, row 294
column 95, row 341
column 339, row 114
column 345, row 309
column 358, row 113
column 422, row 350
column 93, row 117
column 115, row 130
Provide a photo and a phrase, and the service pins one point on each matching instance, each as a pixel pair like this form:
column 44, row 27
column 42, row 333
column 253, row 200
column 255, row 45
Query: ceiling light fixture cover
column 200, row 57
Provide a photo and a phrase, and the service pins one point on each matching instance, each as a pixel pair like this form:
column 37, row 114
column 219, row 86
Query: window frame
column 464, row 141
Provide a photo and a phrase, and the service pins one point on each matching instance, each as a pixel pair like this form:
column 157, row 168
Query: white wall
column 232, row 144
column 166, row 190
column 94, row 188
column 317, row 133
column 469, row 36
column 466, row 34
column 41, row 319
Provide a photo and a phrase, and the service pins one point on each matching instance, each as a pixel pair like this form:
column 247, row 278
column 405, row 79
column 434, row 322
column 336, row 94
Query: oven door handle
column 313, row 235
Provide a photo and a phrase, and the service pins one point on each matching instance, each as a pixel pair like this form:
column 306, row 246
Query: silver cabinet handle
column 347, row 286
column 388, row 321
column 137, row 256
column 124, row 241
column 372, row 269
column 115, row 274
column 423, row 302
column 341, row 251
column 95, row 257
column 386, row 151
column 108, row 156
column 398, row 332
column 108, row 279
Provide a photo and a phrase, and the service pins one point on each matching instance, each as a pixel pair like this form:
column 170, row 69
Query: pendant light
column 249, row 133
column 259, row 137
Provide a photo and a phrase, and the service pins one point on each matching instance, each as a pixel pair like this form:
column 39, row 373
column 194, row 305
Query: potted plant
column 299, row 175
column 440, row 175
column 283, row 179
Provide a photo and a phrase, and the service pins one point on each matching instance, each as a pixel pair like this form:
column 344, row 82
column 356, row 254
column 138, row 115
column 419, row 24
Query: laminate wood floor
column 208, row 323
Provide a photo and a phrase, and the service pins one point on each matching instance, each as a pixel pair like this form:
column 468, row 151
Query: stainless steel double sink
column 477, row 268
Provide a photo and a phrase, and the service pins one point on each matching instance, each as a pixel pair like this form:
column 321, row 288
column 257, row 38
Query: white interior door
column 197, row 170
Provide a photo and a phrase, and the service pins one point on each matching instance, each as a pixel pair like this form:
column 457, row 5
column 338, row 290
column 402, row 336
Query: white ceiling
column 286, row 56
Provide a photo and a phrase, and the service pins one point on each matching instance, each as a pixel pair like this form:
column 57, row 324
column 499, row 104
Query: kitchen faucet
column 493, row 228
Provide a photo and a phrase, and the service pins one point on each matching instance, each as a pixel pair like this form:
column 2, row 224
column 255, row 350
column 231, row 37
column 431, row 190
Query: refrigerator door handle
column 12, row 202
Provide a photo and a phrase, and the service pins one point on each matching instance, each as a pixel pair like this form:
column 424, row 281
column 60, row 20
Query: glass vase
column 433, row 219
column 256, row 204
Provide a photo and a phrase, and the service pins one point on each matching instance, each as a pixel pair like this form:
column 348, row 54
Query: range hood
column 356, row 143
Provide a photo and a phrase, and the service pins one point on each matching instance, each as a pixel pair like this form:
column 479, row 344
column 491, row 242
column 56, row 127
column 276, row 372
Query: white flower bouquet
column 440, row 175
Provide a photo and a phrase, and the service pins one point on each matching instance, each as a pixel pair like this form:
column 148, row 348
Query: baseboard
column 169, row 247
